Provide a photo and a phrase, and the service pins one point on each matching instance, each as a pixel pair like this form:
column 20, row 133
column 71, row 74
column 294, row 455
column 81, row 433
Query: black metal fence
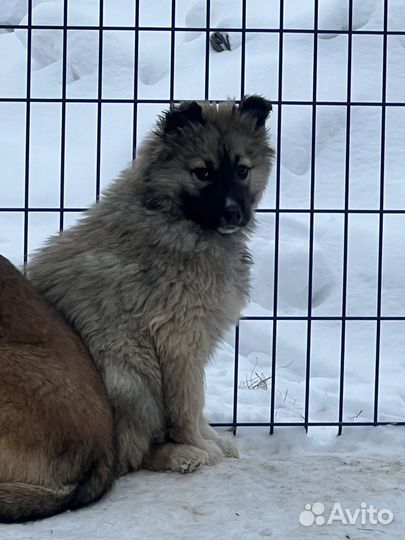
column 62, row 209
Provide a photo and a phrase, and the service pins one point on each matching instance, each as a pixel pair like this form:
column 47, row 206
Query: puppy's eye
column 242, row 172
column 201, row 173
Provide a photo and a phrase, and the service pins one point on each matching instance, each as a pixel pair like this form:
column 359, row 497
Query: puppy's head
column 210, row 163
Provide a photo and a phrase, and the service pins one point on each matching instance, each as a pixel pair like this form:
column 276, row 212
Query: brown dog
column 56, row 442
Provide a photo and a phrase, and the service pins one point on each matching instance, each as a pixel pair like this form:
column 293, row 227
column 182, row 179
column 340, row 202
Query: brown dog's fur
column 56, row 442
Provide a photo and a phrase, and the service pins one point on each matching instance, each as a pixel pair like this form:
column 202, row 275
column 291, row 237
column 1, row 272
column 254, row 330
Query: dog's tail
column 21, row 501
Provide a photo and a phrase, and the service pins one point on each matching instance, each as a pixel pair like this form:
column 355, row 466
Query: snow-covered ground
column 295, row 160
column 261, row 495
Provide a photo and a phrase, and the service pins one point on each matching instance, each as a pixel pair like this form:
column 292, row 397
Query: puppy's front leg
column 227, row 447
column 182, row 358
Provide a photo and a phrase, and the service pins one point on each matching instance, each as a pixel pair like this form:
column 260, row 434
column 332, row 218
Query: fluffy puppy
column 155, row 273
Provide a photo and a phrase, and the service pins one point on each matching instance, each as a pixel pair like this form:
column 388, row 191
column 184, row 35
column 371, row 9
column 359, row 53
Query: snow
column 266, row 489
column 360, row 457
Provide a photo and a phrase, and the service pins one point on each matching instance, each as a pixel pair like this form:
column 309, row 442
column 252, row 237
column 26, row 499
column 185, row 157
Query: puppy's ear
column 186, row 113
column 257, row 107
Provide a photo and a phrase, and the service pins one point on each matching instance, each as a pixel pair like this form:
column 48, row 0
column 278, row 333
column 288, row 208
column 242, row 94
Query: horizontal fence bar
column 322, row 318
column 202, row 29
column 258, row 210
column 329, row 211
column 276, row 102
column 303, row 424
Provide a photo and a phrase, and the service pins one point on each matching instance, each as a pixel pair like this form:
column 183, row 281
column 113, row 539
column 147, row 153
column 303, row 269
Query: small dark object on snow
column 220, row 42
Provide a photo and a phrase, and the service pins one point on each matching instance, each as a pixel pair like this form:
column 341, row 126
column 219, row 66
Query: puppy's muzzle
column 232, row 218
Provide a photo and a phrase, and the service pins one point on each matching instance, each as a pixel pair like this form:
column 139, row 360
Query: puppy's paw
column 181, row 458
column 215, row 454
column 187, row 459
column 229, row 448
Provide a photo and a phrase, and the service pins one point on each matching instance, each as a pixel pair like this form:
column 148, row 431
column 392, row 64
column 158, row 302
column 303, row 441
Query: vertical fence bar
column 381, row 216
column 243, row 51
column 136, row 64
column 235, row 381
column 277, row 222
column 99, row 97
column 27, row 133
column 63, row 119
column 207, row 49
column 172, row 51
column 311, row 218
column 346, row 217
column 236, row 359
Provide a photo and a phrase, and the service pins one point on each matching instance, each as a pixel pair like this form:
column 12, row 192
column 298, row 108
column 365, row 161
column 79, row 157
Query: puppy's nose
column 232, row 214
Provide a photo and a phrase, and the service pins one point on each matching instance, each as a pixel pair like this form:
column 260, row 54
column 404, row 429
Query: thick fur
column 150, row 283
column 56, row 436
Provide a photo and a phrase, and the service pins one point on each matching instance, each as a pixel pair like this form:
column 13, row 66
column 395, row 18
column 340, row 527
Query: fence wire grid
column 279, row 103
